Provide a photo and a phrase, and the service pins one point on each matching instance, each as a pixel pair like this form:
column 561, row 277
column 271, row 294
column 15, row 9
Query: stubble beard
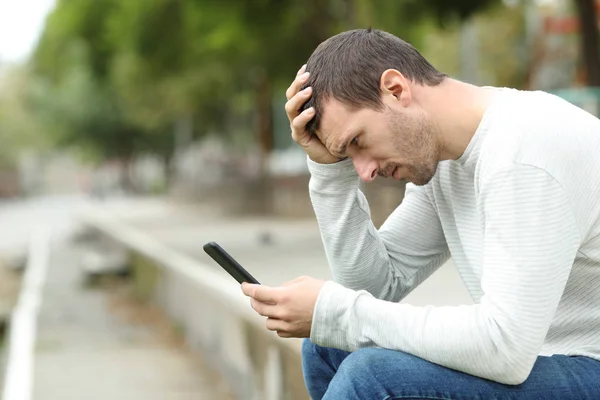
column 416, row 137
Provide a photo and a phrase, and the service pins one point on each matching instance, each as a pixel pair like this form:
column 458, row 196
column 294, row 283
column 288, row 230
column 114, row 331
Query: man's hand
column 288, row 308
column 310, row 143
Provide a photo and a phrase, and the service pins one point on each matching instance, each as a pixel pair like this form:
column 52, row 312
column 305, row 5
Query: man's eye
column 355, row 140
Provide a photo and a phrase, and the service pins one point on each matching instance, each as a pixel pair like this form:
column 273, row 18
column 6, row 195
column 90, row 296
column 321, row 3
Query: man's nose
column 367, row 169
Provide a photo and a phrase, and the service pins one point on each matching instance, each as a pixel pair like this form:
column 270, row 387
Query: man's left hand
column 288, row 308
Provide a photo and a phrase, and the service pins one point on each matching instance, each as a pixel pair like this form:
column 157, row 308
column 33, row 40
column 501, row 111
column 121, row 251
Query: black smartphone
column 228, row 263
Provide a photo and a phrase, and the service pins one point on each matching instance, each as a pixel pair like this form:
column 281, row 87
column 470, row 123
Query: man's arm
column 388, row 263
column 530, row 242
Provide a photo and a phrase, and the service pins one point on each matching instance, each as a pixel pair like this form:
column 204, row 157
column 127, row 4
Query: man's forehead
column 334, row 118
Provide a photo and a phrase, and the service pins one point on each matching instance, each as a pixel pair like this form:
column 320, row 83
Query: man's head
column 363, row 83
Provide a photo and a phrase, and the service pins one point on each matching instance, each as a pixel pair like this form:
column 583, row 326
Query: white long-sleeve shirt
column 519, row 213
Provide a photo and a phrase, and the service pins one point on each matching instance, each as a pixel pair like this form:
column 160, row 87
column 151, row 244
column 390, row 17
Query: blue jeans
column 381, row 374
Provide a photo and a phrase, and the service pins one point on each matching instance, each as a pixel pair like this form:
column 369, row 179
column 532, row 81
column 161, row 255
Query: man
column 507, row 182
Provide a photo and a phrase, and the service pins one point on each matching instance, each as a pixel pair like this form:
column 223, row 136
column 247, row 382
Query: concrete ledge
column 18, row 379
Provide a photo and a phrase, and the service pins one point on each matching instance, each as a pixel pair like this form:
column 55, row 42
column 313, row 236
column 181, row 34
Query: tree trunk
column 170, row 170
column 182, row 140
column 262, row 195
column 265, row 118
column 127, row 182
column 351, row 20
column 590, row 40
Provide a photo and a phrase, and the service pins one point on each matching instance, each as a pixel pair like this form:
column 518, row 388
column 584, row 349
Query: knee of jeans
column 357, row 377
column 363, row 358
column 361, row 362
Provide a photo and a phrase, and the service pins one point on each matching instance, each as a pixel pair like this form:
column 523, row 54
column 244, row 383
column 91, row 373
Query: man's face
column 398, row 143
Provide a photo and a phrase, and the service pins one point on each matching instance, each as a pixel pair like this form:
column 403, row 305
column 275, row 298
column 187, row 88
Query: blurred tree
column 18, row 130
column 74, row 93
column 165, row 74
column 503, row 48
column 500, row 46
column 72, row 25
column 82, row 113
column 448, row 11
column 590, row 39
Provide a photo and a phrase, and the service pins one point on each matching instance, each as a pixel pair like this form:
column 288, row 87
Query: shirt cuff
column 329, row 325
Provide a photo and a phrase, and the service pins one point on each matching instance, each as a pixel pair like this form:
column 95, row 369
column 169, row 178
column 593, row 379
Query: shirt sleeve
column 530, row 242
column 389, row 262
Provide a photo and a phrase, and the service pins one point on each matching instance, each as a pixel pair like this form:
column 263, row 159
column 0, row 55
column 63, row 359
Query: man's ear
column 395, row 87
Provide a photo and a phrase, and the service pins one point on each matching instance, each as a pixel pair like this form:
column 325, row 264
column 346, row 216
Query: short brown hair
column 348, row 67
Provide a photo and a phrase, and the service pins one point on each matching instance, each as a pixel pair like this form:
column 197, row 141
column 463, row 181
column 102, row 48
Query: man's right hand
column 310, row 143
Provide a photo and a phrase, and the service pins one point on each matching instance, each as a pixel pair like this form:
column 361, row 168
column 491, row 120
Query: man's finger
column 262, row 293
column 265, row 309
column 301, row 70
column 274, row 324
column 299, row 133
column 299, row 123
column 296, row 85
column 293, row 106
column 248, row 288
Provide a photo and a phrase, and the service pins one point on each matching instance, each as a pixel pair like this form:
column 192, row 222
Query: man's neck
column 456, row 109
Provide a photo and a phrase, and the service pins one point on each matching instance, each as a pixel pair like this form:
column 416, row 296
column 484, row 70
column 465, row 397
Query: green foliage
column 18, row 130
column 446, row 11
column 80, row 110
column 75, row 21
column 501, row 47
